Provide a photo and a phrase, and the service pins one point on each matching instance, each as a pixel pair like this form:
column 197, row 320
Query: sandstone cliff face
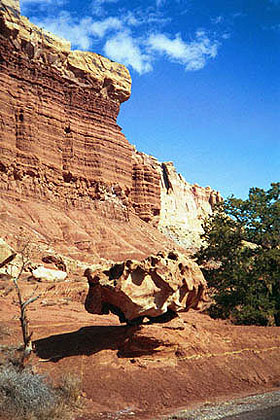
column 146, row 187
column 67, row 172
column 183, row 207
column 163, row 197
column 68, row 175
column 58, row 118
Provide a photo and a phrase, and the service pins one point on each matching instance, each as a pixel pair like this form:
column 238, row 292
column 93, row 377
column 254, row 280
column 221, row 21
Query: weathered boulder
column 49, row 274
column 157, row 288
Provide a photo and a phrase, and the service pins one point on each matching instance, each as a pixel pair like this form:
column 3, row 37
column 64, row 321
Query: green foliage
column 241, row 258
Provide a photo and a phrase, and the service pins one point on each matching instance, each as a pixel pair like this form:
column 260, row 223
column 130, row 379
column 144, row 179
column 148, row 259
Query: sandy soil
column 146, row 372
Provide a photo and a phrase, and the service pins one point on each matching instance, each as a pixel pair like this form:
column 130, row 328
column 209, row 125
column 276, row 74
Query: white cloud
column 192, row 55
column 131, row 19
column 218, row 19
column 79, row 33
column 160, row 3
column 123, row 40
column 64, row 25
column 58, row 2
column 126, row 50
column 98, row 2
column 100, row 28
column 147, row 17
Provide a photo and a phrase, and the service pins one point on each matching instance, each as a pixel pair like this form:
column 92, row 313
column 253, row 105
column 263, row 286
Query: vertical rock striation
column 146, row 187
column 67, row 172
column 184, row 207
column 58, row 117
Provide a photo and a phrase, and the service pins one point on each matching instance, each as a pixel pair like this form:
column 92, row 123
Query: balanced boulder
column 157, row 288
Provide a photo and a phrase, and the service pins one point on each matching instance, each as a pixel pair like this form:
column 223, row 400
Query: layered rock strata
column 157, row 287
column 59, row 140
column 68, row 175
column 146, row 187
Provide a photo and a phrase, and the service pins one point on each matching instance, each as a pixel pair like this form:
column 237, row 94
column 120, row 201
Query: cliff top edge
column 110, row 78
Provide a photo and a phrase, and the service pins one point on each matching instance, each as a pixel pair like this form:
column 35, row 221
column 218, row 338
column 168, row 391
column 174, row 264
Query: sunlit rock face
column 11, row 5
column 67, row 172
column 183, row 207
column 164, row 198
column 58, row 117
column 66, row 168
column 157, row 288
column 146, row 191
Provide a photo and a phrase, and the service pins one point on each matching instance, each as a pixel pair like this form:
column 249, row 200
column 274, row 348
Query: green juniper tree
column 241, row 258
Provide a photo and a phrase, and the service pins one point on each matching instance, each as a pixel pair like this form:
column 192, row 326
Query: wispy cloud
column 126, row 36
column 43, row 4
column 65, row 26
column 217, row 20
column 80, row 33
column 192, row 55
column 126, row 49
column 160, row 3
column 101, row 27
column 146, row 17
column 48, row 2
column 97, row 6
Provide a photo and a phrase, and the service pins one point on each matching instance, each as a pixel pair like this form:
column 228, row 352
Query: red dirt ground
column 150, row 370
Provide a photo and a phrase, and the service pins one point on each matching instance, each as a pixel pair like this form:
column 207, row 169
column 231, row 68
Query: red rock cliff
column 58, row 117
column 67, row 172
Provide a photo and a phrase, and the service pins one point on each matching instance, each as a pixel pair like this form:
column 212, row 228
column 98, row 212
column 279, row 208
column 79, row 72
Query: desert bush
column 28, row 396
column 25, row 395
column 70, row 388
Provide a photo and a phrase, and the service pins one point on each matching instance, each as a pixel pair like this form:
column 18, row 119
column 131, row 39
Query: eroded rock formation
column 146, row 187
column 184, row 207
column 68, row 175
column 58, row 118
column 157, row 287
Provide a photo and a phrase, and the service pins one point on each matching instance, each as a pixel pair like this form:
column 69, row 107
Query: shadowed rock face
column 157, row 287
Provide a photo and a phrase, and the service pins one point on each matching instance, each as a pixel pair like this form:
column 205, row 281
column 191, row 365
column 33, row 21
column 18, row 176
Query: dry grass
column 4, row 331
column 70, row 389
column 28, row 396
column 24, row 395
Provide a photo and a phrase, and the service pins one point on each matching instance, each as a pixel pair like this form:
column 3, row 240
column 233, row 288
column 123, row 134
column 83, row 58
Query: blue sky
column 205, row 79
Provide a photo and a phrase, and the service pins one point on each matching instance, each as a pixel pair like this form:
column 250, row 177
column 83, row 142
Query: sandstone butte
column 76, row 189
column 68, row 175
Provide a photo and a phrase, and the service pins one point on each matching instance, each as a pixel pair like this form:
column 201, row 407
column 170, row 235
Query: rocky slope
column 71, row 183
column 68, row 175
column 143, row 372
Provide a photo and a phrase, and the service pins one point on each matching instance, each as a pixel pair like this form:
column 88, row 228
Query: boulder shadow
column 91, row 340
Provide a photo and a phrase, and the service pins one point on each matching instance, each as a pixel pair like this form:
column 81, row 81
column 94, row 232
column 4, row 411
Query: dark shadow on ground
column 91, row 340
